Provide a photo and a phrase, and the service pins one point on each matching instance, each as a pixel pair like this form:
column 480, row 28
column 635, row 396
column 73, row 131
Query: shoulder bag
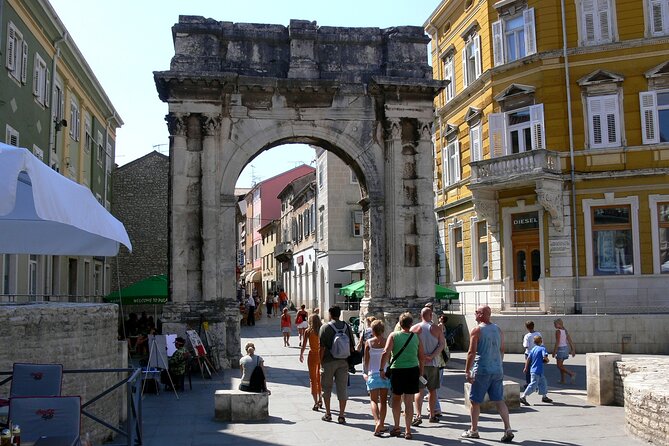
column 389, row 371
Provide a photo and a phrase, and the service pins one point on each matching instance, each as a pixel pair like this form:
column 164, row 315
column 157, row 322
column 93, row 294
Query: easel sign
column 196, row 342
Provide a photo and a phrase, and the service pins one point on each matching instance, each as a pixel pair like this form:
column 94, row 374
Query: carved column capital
column 211, row 124
column 486, row 209
column 549, row 195
column 394, row 128
column 426, row 130
column 176, row 124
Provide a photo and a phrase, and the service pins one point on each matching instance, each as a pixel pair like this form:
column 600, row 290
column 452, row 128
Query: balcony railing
column 515, row 168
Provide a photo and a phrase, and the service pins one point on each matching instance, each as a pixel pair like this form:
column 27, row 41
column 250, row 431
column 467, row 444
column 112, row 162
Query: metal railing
column 130, row 431
column 560, row 301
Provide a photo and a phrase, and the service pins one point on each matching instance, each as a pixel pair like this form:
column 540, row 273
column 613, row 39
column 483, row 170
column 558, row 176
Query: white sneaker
column 470, row 434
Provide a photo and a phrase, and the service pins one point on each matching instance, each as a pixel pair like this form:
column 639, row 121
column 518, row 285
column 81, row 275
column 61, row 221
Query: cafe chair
column 57, row 417
column 33, row 380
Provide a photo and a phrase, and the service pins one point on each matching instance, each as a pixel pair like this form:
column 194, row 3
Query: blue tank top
column 488, row 360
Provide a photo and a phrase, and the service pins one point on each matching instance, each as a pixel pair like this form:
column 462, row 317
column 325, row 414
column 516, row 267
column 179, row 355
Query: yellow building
column 553, row 134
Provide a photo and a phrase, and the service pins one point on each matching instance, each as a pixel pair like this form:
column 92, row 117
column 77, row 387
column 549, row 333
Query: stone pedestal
column 511, row 397
column 599, row 368
column 235, row 405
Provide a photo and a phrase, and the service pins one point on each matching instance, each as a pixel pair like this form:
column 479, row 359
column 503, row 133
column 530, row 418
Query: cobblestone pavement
column 570, row 420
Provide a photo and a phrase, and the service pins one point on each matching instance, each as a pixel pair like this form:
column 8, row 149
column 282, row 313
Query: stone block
column 235, row 405
column 511, row 397
column 600, row 373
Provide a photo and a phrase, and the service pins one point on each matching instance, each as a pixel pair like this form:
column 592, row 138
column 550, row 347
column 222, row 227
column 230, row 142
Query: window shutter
column 610, row 105
column 475, row 143
column 603, row 15
column 594, row 112
column 36, row 77
column 465, row 80
column 649, row 120
column 530, row 32
column 498, row 42
column 496, row 131
column 24, row 63
column 657, row 17
column 47, row 87
column 537, row 126
column 477, row 56
column 588, row 16
column 11, row 50
column 455, row 159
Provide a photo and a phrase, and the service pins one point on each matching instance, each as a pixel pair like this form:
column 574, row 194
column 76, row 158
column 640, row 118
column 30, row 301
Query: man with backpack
column 336, row 340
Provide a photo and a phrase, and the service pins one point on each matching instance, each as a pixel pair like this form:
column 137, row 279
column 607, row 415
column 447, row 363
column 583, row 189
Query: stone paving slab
column 190, row 420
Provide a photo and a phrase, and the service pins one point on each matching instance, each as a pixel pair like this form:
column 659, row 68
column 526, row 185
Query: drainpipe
column 577, row 304
column 54, row 66
column 104, row 198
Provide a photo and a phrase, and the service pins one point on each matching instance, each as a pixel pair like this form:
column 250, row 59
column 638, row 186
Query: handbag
column 389, row 371
column 443, row 358
column 355, row 358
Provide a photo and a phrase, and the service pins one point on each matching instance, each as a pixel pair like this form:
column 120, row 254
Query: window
column 32, row 275
column 514, row 37
column 480, row 250
column 451, row 162
column 320, row 175
column 449, row 91
column 654, row 116
column 604, row 121
column 97, row 279
column 88, row 135
column 41, row 81
column 101, row 149
column 356, row 220
column 74, row 123
column 596, row 22
column 658, row 17
column 612, row 240
column 659, row 219
column 320, row 225
column 59, row 102
column 471, row 59
column 475, row 142
column 457, row 254
column 516, row 131
column 11, row 136
column 17, row 54
column 6, row 273
column 354, row 177
column 39, row 153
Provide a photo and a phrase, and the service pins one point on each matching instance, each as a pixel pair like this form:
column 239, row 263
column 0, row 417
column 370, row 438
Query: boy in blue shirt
column 535, row 361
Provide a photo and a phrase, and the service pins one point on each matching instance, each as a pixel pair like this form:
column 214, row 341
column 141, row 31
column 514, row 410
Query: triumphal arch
column 236, row 89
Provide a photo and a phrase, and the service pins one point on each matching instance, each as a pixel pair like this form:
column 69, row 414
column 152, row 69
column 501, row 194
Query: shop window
column 612, row 240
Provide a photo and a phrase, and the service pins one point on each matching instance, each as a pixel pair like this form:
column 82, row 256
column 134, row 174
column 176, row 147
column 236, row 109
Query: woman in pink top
column 563, row 347
column 286, row 327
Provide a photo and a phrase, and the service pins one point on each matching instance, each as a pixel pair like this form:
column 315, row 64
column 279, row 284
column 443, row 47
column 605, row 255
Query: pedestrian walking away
column 376, row 386
column 301, row 322
column 251, row 307
column 563, row 347
column 484, row 371
column 534, row 364
column 286, row 327
column 334, row 366
column 528, row 343
column 314, row 359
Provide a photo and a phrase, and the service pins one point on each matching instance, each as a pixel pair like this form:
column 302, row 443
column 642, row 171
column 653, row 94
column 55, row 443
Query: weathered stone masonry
column 236, row 89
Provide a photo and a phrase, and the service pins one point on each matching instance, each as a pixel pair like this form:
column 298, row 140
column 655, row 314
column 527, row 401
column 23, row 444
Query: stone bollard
column 235, row 405
column 511, row 397
column 599, row 368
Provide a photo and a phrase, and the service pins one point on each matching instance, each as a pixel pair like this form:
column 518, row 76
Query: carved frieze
column 486, row 209
column 549, row 195
column 176, row 124
column 210, row 124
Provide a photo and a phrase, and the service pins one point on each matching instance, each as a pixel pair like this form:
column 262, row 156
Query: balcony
column 514, row 170
column 283, row 252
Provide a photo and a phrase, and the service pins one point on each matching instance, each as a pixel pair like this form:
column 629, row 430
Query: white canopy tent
column 42, row 212
column 354, row 267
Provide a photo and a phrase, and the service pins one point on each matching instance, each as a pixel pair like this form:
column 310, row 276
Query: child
column 528, row 343
column 563, row 347
column 535, row 365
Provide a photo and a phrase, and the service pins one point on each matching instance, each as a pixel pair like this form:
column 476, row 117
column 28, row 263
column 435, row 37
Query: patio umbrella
column 441, row 292
column 357, row 289
column 152, row 290
column 42, row 212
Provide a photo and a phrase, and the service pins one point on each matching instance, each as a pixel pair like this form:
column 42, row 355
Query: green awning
column 152, row 290
column 441, row 292
column 357, row 290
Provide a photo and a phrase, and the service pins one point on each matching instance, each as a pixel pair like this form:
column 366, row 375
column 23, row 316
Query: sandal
column 417, row 421
column 408, row 436
column 315, row 408
column 326, row 417
column 341, row 419
column 395, row 432
column 378, row 434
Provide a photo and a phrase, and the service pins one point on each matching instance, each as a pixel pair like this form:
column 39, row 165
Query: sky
column 125, row 41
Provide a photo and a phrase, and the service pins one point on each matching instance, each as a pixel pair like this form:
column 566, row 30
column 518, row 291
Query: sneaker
column 508, row 437
column 470, row 434
column 545, row 399
column 524, row 401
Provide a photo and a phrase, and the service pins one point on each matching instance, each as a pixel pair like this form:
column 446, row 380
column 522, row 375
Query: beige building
column 270, row 235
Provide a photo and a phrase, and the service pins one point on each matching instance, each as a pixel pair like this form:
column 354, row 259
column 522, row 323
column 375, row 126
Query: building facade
column 271, row 236
column 552, row 152
column 52, row 104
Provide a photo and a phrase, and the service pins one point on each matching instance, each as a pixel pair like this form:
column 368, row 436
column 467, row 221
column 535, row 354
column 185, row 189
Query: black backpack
column 257, row 381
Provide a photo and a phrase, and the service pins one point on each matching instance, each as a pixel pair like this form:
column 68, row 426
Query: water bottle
column 6, row 438
column 16, row 435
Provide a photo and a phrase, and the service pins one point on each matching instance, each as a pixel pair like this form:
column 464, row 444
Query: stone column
column 599, row 368
column 374, row 255
column 425, row 231
column 176, row 124
column 210, row 203
column 227, row 238
column 394, row 241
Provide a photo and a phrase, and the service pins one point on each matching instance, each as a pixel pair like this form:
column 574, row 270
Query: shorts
column 374, row 382
column 285, row 329
column 562, row 353
column 405, row 381
column 336, row 370
column 433, row 376
column 303, row 324
column 490, row 384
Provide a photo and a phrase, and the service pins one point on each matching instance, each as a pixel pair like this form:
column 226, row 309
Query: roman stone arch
column 235, row 90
